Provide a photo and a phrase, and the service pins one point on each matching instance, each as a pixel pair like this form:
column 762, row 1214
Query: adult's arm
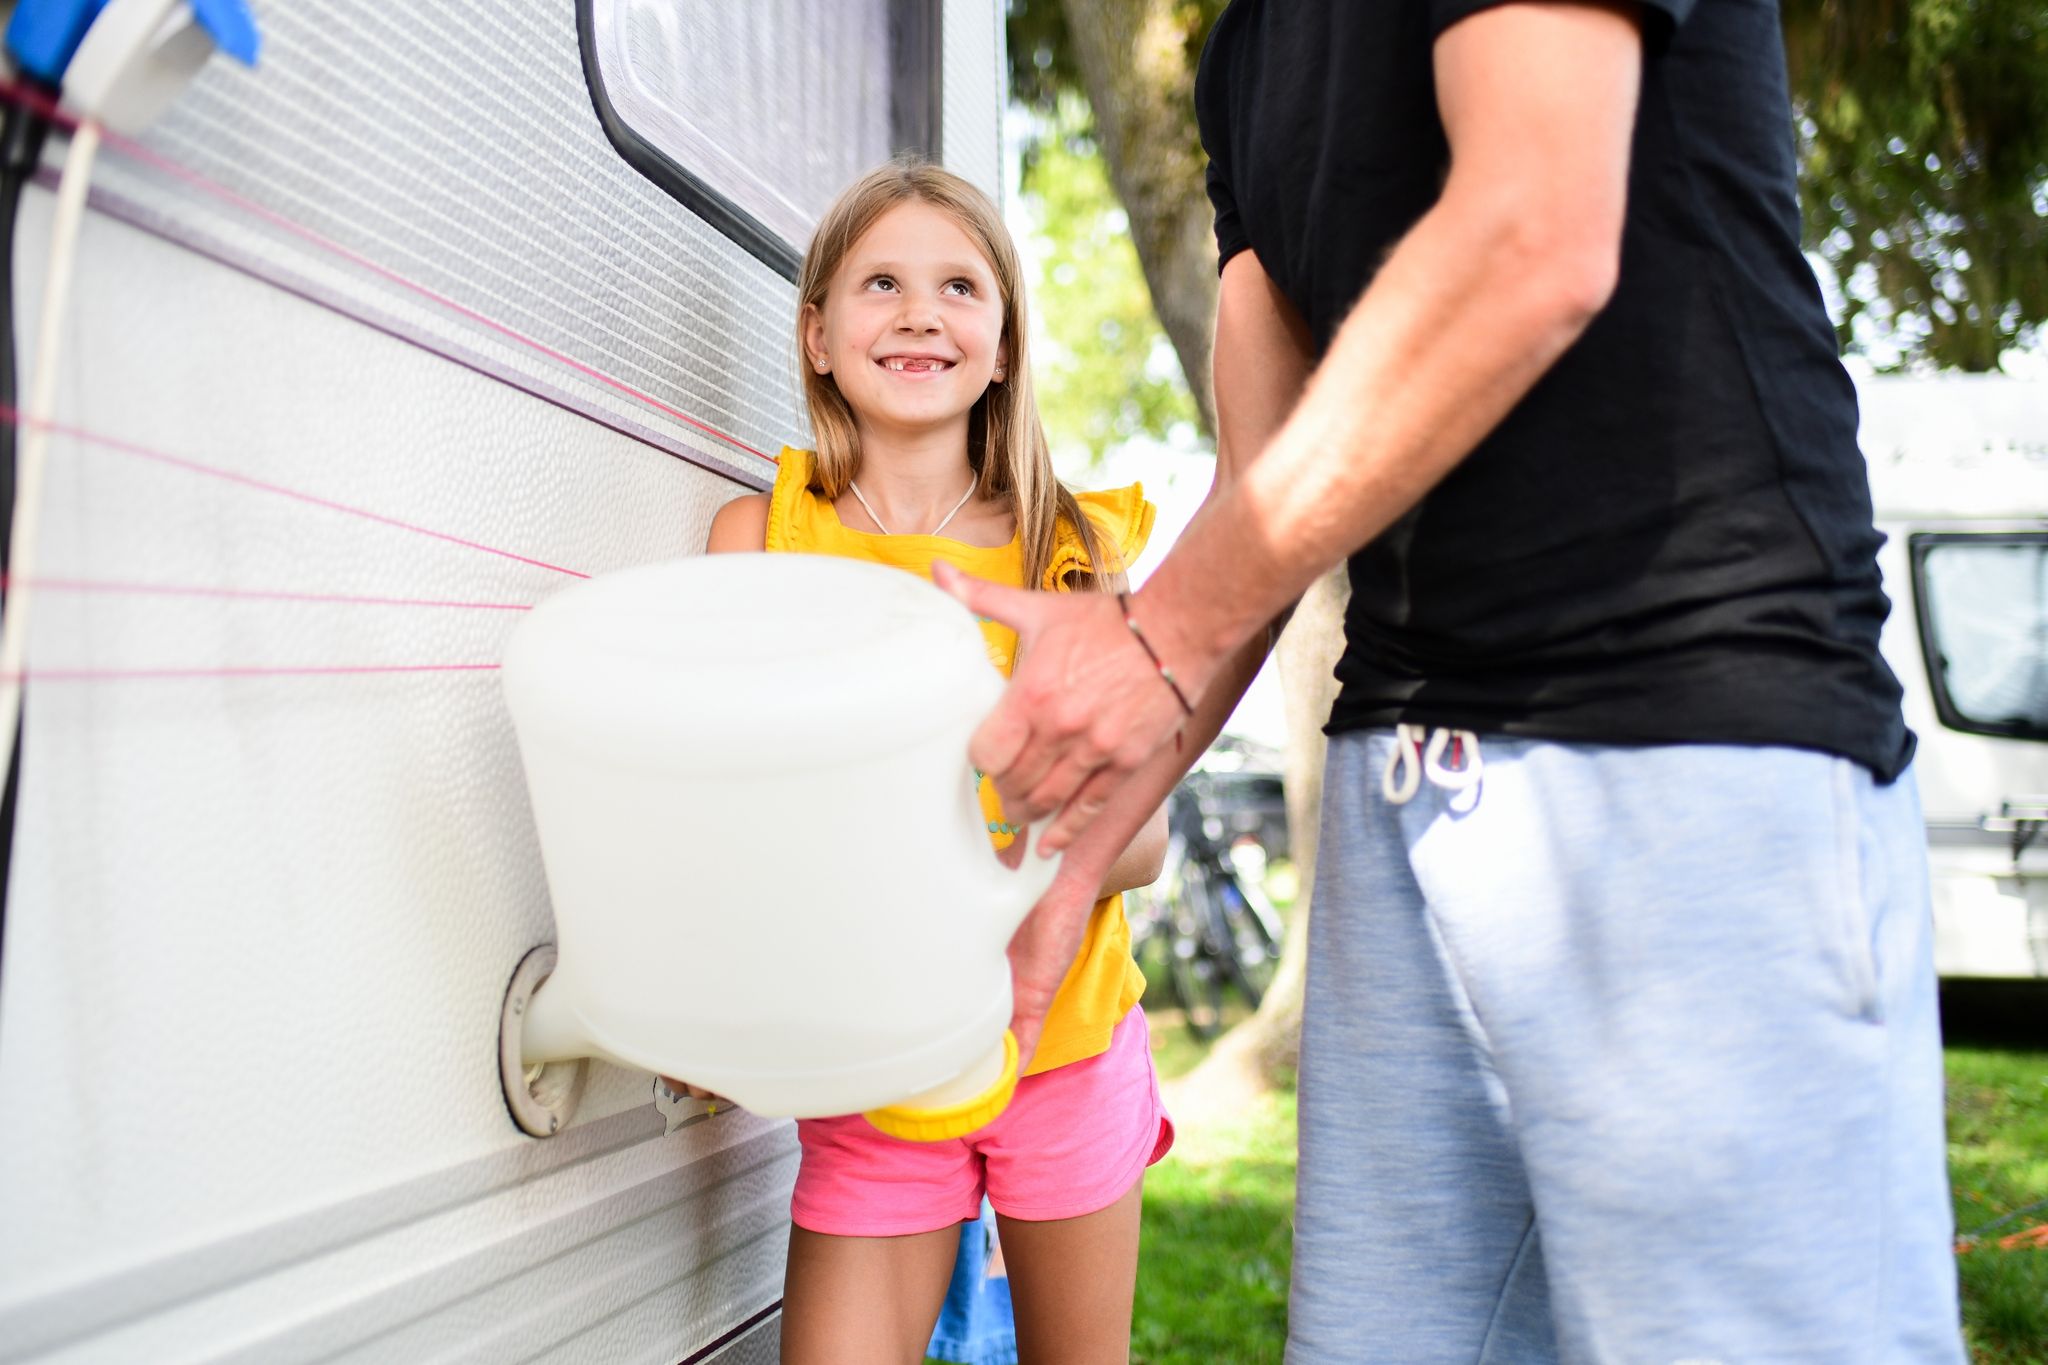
column 1481, row 296
column 1263, row 358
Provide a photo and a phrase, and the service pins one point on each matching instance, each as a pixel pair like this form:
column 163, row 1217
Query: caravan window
column 756, row 114
column 1983, row 609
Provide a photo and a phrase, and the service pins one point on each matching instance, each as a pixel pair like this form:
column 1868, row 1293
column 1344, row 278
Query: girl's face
column 912, row 325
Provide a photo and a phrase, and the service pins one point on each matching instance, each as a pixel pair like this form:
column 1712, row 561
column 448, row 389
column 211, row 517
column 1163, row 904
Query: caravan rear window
column 755, row 114
column 1983, row 611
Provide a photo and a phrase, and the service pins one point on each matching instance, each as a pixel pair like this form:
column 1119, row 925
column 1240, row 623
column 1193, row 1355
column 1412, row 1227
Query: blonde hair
column 1006, row 445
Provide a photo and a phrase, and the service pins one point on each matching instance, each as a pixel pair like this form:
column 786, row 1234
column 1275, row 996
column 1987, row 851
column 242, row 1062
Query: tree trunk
column 1263, row 1050
column 1138, row 71
column 1137, row 65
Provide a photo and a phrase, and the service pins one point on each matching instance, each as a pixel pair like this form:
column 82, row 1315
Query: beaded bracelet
column 1124, row 599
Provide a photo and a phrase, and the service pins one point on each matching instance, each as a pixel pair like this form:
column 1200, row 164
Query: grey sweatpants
column 1625, row 1055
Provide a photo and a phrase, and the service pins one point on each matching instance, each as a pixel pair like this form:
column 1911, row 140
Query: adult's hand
column 1041, row 953
column 1084, row 708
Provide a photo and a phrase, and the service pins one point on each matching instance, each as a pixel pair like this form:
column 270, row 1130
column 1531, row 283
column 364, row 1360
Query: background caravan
column 1959, row 478
column 438, row 307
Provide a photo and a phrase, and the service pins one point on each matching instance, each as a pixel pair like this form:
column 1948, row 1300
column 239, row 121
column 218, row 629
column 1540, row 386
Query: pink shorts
column 1072, row 1141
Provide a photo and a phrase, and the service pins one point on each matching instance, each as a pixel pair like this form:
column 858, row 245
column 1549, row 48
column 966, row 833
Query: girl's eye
column 882, row 282
column 965, row 287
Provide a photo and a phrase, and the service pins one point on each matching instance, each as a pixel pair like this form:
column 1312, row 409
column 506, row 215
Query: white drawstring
column 1418, row 753
column 1402, row 764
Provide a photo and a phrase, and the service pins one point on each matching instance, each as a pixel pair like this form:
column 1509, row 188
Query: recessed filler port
column 542, row 1098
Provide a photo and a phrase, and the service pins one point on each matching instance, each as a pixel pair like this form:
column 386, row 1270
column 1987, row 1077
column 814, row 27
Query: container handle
column 1012, row 892
column 1017, row 890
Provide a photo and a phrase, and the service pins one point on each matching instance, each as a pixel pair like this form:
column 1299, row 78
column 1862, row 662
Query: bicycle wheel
column 1151, row 926
column 1194, row 978
column 1249, row 950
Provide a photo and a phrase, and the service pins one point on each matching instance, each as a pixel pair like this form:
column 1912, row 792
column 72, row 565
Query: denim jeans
column 976, row 1326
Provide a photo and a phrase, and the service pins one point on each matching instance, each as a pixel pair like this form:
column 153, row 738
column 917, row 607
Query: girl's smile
column 916, row 366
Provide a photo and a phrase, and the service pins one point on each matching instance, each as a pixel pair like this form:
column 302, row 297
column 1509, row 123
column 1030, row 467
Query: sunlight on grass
column 1212, row 1276
column 1998, row 1161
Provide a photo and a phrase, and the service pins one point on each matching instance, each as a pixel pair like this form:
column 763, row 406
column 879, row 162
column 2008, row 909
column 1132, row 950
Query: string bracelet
column 1165, row 673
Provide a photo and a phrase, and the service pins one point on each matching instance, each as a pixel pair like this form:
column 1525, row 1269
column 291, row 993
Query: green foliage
column 1041, row 56
column 1042, row 68
column 1922, row 128
column 1923, row 135
column 1998, row 1163
column 1046, row 79
column 1106, row 373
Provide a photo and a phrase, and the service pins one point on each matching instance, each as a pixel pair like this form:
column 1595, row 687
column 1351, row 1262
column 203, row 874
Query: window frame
column 916, row 127
column 1919, row 545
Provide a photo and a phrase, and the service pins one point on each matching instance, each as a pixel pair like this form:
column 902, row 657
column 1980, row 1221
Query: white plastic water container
column 770, row 870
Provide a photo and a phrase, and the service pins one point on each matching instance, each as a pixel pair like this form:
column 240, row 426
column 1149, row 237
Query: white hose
column 33, row 430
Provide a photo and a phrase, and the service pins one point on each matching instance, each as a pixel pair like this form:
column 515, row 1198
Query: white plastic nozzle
column 136, row 58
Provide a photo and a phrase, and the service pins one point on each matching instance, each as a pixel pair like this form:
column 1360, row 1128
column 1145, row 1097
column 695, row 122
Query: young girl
column 912, row 343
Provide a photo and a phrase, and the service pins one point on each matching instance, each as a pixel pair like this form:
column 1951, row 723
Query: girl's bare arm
column 1140, row 862
column 741, row 525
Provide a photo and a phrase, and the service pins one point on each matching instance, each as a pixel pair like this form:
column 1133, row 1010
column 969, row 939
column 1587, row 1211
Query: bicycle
column 1207, row 921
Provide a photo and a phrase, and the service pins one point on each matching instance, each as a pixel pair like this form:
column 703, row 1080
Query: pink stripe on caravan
column 12, row 93
column 41, row 675
column 8, row 414
column 249, row 594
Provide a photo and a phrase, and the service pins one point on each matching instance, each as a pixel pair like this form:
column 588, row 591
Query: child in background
column 929, row 447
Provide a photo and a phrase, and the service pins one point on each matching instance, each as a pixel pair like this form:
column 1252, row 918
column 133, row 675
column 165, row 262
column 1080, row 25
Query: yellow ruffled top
column 1104, row 982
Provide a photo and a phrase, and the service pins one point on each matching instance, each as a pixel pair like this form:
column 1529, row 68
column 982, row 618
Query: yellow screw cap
column 953, row 1120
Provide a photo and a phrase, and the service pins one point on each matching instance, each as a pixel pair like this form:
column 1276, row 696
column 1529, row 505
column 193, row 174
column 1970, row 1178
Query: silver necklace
column 869, row 509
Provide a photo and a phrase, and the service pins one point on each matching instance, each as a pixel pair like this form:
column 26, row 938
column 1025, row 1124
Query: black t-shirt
column 1669, row 539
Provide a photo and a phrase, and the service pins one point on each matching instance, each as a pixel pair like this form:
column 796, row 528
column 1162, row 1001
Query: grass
column 1998, row 1163
column 1175, row 1051
column 1212, row 1273
column 1212, row 1278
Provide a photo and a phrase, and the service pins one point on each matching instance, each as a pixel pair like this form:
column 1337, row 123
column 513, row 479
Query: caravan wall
column 513, row 280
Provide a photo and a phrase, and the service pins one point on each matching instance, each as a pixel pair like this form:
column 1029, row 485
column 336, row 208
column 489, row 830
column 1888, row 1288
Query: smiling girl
column 911, row 332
